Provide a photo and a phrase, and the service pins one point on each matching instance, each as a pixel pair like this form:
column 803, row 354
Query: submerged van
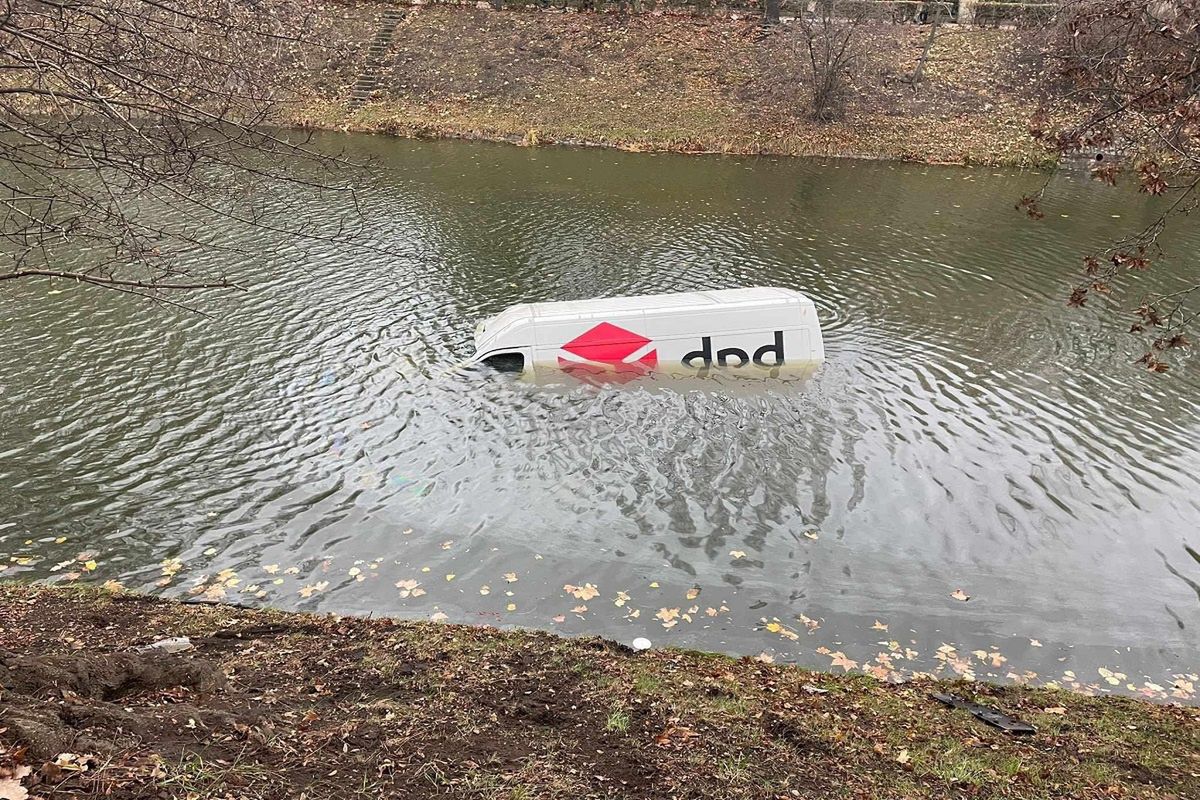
column 759, row 331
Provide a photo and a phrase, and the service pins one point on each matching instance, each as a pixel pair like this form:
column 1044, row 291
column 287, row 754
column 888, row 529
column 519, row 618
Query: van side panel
column 753, row 330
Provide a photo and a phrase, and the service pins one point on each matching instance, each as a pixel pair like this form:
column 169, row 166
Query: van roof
column 678, row 301
column 492, row 332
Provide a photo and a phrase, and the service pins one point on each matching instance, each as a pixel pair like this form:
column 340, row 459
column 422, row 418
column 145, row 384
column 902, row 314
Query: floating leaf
column 585, row 592
column 409, row 588
column 840, row 660
column 959, row 594
column 309, row 591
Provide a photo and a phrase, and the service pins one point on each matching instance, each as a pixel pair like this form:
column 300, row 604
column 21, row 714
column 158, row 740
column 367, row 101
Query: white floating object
column 641, row 643
column 758, row 331
column 176, row 644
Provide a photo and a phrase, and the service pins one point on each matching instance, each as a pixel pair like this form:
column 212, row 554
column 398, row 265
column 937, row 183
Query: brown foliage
column 1133, row 72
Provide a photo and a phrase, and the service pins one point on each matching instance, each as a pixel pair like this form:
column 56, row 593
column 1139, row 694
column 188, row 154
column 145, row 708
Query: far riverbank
column 675, row 82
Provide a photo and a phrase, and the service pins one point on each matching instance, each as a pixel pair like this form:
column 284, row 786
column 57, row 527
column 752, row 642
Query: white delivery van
column 759, row 331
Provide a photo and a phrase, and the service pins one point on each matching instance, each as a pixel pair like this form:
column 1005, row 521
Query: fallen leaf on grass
column 1055, row 710
column 675, row 736
column 10, row 783
column 904, row 757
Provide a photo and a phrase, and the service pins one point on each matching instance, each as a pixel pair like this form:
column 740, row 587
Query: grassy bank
column 273, row 705
column 680, row 83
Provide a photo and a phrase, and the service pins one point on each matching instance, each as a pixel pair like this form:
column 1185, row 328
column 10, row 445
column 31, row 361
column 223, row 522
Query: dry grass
column 689, row 84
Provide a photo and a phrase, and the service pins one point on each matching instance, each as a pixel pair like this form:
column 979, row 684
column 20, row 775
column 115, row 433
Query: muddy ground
column 275, row 705
column 684, row 83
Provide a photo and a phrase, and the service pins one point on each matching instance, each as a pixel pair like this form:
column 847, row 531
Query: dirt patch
column 46, row 698
column 104, row 677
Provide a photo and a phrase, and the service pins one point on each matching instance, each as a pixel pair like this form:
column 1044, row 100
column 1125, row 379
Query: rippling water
column 315, row 443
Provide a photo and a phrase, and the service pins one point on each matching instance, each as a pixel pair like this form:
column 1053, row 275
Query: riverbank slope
column 271, row 705
column 676, row 82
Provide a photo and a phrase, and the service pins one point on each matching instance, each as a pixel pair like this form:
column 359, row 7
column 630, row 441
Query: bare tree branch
column 1131, row 74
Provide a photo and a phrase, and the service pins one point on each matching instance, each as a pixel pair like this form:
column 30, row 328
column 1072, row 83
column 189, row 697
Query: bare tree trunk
column 771, row 12
column 919, row 72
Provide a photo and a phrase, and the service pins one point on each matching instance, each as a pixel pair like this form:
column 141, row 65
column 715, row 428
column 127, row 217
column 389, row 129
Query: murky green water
column 312, row 445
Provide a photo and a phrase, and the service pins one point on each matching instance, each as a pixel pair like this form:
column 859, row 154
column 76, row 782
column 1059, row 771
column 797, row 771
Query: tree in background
column 829, row 43
column 1131, row 69
column 108, row 106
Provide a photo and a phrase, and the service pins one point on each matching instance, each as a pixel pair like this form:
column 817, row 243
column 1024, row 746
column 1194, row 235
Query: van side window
column 506, row 362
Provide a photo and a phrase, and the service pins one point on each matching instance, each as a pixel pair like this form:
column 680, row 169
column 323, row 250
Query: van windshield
column 505, row 362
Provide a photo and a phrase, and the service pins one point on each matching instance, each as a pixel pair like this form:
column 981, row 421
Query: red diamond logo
column 610, row 352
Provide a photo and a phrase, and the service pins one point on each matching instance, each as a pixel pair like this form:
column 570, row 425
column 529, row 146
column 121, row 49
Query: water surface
column 314, row 444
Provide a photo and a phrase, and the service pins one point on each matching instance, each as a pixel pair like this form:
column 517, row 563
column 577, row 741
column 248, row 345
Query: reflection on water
column 317, row 443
